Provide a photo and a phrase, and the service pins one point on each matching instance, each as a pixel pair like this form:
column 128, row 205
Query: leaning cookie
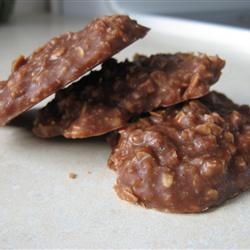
column 106, row 100
column 187, row 158
column 62, row 60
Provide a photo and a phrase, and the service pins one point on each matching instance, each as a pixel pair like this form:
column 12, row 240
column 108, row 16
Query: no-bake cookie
column 186, row 158
column 62, row 60
column 106, row 100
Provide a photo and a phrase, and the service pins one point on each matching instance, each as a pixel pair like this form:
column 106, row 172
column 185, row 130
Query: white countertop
column 40, row 207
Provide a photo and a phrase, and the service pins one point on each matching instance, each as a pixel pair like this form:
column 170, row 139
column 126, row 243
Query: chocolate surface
column 62, row 60
column 106, row 100
column 186, row 158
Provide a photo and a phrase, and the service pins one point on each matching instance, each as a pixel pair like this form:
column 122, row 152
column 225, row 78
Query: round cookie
column 108, row 99
column 64, row 59
column 185, row 159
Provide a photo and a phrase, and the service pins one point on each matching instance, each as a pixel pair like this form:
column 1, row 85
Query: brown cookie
column 106, row 100
column 63, row 60
column 186, row 158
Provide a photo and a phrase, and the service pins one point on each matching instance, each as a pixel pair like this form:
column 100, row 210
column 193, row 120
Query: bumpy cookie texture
column 186, row 158
column 63, row 60
column 106, row 100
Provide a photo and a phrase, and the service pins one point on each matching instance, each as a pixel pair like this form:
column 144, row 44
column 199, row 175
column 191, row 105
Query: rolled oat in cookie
column 64, row 59
column 106, row 100
column 187, row 158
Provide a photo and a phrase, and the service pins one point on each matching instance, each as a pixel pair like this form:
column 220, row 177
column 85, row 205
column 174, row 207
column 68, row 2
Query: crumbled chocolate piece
column 186, row 158
column 62, row 60
column 72, row 175
column 106, row 100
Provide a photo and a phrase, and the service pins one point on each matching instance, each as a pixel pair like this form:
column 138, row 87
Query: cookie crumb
column 72, row 175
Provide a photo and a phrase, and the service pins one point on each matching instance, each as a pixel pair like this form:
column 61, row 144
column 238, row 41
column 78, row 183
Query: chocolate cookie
column 186, row 158
column 62, row 60
column 106, row 100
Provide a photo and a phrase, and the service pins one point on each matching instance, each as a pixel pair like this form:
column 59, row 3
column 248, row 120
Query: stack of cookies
column 176, row 146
